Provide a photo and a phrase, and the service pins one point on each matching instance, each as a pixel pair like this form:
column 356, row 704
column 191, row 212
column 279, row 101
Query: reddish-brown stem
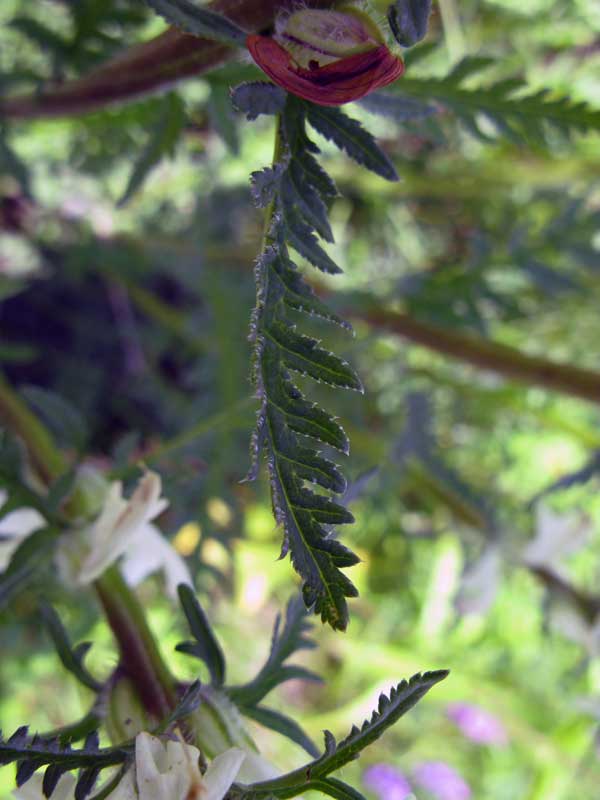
column 140, row 657
column 507, row 361
column 145, row 68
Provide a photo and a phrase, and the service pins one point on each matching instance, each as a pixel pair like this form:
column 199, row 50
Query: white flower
column 161, row 772
column 171, row 772
column 14, row 528
column 123, row 529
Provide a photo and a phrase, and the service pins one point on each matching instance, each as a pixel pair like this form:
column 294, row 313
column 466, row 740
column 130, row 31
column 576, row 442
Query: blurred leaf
column 199, row 21
column 162, row 142
column 206, row 647
column 71, row 657
column 284, row 643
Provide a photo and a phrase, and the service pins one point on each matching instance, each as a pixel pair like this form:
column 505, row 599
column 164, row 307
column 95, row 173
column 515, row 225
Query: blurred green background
column 125, row 325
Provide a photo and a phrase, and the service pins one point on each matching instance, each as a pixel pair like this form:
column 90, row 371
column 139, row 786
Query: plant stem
column 47, row 462
column 500, row 358
column 140, row 656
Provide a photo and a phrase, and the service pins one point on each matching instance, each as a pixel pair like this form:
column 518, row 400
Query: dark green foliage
column 258, row 97
column 72, row 658
column 282, row 724
column 61, row 417
column 298, row 193
column 91, row 35
column 166, row 130
column 28, row 560
column 337, row 754
column 206, row 647
column 400, row 109
column 510, row 110
column 199, row 21
column 188, row 703
column 285, row 413
column 33, row 753
column 284, row 643
column 221, row 115
column 11, row 164
column 389, row 710
column 350, row 136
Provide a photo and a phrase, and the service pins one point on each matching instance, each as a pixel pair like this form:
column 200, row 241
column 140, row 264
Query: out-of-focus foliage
column 127, row 239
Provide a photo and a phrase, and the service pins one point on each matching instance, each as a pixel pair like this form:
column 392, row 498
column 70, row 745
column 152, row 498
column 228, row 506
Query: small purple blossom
column 442, row 781
column 387, row 782
column 477, row 724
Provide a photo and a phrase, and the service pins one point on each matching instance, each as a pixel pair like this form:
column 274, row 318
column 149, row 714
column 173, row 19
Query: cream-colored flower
column 123, row 529
column 162, row 771
column 171, row 771
column 15, row 527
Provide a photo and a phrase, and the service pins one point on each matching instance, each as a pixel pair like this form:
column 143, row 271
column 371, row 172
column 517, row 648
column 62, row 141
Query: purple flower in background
column 387, row 782
column 478, row 724
column 440, row 780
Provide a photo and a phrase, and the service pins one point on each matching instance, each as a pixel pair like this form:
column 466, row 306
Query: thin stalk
column 15, row 416
column 500, row 358
column 140, row 656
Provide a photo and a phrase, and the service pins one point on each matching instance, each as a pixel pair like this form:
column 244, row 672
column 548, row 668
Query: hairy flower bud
column 327, row 57
column 408, row 20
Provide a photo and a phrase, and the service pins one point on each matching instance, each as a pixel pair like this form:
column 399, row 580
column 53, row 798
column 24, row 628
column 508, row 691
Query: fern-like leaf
column 206, row 647
column 350, row 136
column 285, row 641
column 510, row 110
column 316, row 775
column 33, row 753
column 199, row 21
column 297, row 192
column 72, row 658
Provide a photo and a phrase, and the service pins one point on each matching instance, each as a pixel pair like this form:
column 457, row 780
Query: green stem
column 278, row 149
column 47, row 462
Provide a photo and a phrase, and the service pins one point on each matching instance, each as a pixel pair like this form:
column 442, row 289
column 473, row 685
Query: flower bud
column 125, row 715
column 408, row 20
column 329, row 57
column 217, row 724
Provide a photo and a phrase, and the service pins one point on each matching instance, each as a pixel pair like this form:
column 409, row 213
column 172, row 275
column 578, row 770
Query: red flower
column 327, row 57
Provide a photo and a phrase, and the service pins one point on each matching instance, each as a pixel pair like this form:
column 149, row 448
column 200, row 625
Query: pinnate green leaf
column 258, row 97
column 350, row 136
column 206, row 647
column 199, row 21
